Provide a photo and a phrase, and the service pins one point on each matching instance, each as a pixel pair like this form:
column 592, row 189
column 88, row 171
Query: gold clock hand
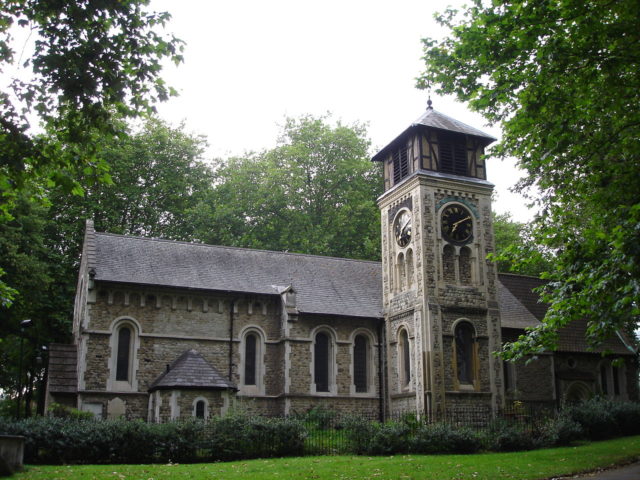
column 455, row 224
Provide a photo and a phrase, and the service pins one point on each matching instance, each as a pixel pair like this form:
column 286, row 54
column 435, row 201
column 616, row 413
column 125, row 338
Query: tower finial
column 429, row 103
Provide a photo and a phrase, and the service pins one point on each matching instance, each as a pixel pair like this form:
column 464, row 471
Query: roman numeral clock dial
column 402, row 228
column 457, row 224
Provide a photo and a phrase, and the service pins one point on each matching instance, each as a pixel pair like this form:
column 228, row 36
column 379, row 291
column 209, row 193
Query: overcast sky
column 249, row 64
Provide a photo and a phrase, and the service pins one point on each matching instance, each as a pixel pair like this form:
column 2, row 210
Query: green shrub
column 321, row 417
column 62, row 411
column 238, row 436
column 388, row 438
column 505, row 436
column 559, row 430
column 595, row 417
column 358, row 432
column 627, row 417
column 444, row 438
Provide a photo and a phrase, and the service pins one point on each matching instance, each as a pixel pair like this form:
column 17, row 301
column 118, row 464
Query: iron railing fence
column 327, row 432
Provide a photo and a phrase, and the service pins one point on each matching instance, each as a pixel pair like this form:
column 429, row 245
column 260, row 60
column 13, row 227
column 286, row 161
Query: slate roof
column 572, row 338
column 326, row 285
column 522, row 287
column 433, row 119
column 62, row 377
column 191, row 371
column 512, row 312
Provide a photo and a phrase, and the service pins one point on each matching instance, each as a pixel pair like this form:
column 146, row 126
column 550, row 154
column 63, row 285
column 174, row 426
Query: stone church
column 166, row 330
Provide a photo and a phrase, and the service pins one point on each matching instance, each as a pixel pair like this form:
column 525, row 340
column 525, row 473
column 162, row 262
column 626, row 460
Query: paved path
column 628, row 472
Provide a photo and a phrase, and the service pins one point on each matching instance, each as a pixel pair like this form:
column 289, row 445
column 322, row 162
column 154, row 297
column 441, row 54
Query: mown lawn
column 537, row 464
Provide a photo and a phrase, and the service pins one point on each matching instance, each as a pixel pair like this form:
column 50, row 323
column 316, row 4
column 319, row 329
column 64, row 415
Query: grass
column 536, row 464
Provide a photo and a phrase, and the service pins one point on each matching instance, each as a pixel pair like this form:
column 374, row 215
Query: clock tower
column 439, row 290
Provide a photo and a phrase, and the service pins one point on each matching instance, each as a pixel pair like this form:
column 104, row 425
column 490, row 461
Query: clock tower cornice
column 435, row 180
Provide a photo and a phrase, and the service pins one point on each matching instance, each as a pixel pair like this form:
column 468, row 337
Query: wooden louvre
column 400, row 164
column 453, row 154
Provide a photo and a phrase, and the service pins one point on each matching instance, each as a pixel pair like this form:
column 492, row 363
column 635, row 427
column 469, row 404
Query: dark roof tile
column 334, row 286
column 190, row 371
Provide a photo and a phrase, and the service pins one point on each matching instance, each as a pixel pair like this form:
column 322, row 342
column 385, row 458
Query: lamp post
column 24, row 324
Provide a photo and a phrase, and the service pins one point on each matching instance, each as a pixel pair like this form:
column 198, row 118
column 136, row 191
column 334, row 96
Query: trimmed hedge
column 77, row 440
column 51, row 440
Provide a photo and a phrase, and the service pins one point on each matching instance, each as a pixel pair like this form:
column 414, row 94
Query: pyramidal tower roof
column 433, row 119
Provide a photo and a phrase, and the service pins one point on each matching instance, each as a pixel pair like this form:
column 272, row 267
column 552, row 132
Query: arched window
column 615, row 371
column 464, row 347
column 200, row 408
column 409, row 268
column 449, row 264
column 400, row 273
column 465, row 265
column 250, row 360
column 251, row 368
column 604, row 378
column 321, row 362
column 360, row 364
column 123, row 357
column 123, row 344
column 405, row 359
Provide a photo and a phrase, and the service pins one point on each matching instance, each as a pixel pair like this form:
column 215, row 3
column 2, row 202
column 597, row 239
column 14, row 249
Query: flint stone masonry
column 178, row 297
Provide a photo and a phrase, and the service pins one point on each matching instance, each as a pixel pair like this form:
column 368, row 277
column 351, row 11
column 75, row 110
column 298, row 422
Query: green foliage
column 321, row 417
column 563, row 80
column 506, row 436
column 560, row 430
column 515, row 249
column 91, row 63
column 444, row 438
column 239, row 436
column 600, row 418
column 63, row 411
column 314, row 193
column 158, row 178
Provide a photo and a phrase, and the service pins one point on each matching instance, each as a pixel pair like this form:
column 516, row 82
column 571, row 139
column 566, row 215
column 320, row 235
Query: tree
column 314, row 193
column 516, row 251
column 158, row 178
column 92, row 62
column 563, row 79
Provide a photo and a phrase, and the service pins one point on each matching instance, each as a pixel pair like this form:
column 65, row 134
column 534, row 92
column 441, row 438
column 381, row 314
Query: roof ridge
column 521, row 275
column 182, row 242
column 433, row 111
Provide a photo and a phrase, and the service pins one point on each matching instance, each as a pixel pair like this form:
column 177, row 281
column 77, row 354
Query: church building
column 165, row 330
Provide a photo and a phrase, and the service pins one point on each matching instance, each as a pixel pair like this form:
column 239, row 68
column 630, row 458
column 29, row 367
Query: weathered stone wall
column 170, row 321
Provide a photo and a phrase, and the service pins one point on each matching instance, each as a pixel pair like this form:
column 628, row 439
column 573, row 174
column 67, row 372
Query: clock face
column 457, row 224
column 402, row 228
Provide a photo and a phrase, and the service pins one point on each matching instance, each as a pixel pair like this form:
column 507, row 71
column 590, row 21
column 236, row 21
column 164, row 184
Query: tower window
column 405, row 356
column 464, row 340
column 400, row 164
column 453, row 153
